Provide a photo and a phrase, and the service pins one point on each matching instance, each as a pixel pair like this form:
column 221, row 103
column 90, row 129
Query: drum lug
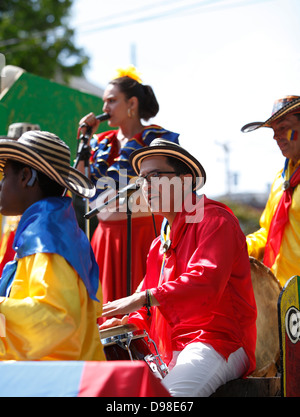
column 126, row 345
column 161, row 365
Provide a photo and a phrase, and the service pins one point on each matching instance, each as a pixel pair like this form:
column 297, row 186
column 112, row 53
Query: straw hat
column 48, row 154
column 283, row 106
column 162, row 147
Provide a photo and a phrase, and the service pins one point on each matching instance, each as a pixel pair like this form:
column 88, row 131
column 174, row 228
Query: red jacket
column 206, row 293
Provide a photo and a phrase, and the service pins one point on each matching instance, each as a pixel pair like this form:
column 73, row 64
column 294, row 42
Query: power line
column 14, row 41
column 118, row 24
column 158, row 15
column 208, row 5
column 130, row 12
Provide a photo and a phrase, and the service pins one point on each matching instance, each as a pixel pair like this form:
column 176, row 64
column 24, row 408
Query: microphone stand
column 83, row 154
column 129, row 249
column 127, row 191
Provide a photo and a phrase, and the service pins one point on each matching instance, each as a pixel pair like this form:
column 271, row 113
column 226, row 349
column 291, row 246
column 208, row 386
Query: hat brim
column 7, row 137
column 175, row 151
column 291, row 107
column 249, row 127
column 70, row 178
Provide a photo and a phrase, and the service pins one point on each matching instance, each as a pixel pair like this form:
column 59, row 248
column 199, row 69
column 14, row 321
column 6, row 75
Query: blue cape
column 50, row 226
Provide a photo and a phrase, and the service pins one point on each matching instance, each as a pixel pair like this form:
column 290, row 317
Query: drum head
column 266, row 291
column 112, row 331
column 120, row 334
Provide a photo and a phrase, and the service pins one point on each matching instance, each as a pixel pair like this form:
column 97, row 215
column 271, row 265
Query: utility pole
column 133, row 54
column 230, row 177
column 226, row 150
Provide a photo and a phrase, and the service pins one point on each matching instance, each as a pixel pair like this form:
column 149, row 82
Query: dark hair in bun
column 148, row 105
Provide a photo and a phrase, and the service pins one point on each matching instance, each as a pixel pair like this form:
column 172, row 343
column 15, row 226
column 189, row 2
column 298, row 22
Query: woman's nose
column 105, row 107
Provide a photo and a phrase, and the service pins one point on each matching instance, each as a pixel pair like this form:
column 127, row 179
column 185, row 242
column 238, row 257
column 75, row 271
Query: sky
column 214, row 66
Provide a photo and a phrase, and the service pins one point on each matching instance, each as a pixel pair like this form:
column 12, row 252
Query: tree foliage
column 247, row 215
column 35, row 35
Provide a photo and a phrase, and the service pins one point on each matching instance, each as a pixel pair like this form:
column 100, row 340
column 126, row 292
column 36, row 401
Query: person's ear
column 33, row 177
column 133, row 105
column 28, row 176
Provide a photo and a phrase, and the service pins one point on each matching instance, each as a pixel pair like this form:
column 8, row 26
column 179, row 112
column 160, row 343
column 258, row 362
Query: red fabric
column 9, row 251
column 120, row 379
column 160, row 326
column 292, row 368
column 109, row 243
column 207, row 293
column 279, row 221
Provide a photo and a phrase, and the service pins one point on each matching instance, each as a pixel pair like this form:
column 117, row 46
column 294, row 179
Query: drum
column 127, row 342
column 266, row 291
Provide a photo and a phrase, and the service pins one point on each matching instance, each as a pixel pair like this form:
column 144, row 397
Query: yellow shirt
column 287, row 261
column 49, row 314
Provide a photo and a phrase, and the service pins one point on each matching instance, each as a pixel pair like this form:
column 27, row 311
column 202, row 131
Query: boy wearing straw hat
column 50, row 294
column 197, row 300
column 10, row 224
column 277, row 242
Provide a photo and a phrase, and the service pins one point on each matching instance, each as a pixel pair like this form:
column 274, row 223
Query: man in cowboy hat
column 49, row 295
column 277, row 242
column 197, row 300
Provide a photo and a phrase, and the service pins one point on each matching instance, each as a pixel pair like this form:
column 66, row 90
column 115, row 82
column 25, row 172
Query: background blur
column 214, row 65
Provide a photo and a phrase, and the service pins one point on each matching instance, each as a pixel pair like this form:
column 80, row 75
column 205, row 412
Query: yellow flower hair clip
column 128, row 72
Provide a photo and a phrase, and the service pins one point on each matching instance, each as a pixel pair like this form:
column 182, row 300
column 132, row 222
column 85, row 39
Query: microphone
column 101, row 117
column 129, row 189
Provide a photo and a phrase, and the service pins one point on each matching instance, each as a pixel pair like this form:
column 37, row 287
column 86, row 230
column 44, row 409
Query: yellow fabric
column 287, row 262
column 49, row 315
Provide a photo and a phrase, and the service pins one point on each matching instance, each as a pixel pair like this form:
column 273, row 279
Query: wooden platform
column 251, row 387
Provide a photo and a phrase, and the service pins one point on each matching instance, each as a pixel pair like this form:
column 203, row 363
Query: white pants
column 198, row 370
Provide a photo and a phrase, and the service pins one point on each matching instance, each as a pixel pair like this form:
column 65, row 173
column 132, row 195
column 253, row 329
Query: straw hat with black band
column 162, row 147
column 282, row 107
column 47, row 153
